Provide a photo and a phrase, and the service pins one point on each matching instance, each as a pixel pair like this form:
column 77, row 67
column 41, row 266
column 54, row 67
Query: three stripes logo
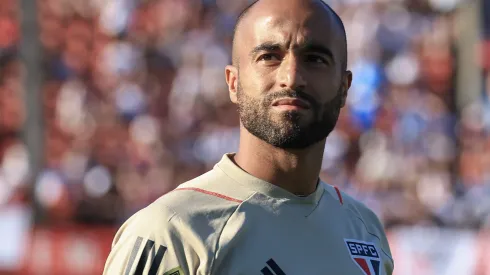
column 148, row 250
column 272, row 268
column 365, row 255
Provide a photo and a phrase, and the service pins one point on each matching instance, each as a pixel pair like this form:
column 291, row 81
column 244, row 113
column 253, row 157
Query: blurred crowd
column 135, row 103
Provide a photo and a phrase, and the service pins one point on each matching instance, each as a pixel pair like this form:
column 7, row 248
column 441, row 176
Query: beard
column 287, row 132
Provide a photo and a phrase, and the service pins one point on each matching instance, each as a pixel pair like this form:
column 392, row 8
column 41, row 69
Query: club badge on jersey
column 365, row 256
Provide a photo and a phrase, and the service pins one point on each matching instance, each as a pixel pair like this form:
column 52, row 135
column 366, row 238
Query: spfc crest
column 365, row 255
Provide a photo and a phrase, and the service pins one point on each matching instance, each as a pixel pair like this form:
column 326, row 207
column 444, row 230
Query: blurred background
column 105, row 105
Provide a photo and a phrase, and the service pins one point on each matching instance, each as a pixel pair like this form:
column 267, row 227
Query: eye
column 269, row 57
column 316, row 59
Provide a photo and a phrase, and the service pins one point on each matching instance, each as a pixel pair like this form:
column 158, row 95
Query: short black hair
column 336, row 17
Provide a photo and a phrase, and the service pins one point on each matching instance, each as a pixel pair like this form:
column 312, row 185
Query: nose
column 290, row 75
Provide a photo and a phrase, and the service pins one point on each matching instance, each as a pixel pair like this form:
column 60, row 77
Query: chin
column 295, row 119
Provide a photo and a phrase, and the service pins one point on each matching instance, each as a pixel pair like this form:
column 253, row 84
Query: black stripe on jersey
column 156, row 261
column 266, row 271
column 134, row 252
column 275, row 267
column 144, row 257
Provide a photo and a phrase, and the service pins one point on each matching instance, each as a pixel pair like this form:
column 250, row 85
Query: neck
column 296, row 171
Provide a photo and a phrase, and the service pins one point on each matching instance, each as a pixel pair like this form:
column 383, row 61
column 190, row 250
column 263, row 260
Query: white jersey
column 227, row 222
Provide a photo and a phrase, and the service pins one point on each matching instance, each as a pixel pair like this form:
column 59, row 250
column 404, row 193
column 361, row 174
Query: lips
column 296, row 102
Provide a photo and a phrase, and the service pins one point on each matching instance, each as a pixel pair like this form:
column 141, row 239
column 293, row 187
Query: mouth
column 291, row 104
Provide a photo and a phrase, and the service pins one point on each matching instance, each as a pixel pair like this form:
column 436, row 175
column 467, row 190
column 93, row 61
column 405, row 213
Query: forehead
column 291, row 25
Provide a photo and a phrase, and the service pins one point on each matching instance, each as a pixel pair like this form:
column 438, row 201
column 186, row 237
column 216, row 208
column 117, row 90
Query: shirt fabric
column 228, row 222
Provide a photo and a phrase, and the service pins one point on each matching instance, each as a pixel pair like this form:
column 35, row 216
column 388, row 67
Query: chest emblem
column 365, row 256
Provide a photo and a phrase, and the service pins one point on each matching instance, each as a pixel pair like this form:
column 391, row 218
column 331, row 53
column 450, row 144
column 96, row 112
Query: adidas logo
column 148, row 254
column 272, row 269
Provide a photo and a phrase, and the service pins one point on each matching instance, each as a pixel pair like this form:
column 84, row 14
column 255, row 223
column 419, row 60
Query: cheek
column 328, row 89
column 333, row 106
column 330, row 97
column 258, row 82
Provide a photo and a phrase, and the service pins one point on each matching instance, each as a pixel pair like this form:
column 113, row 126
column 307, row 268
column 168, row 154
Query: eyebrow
column 308, row 47
column 265, row 47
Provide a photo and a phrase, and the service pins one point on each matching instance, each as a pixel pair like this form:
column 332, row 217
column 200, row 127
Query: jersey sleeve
column 376, row 227
column 151, row 243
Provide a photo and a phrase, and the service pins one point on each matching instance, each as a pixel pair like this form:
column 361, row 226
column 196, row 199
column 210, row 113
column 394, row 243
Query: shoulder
column 207, row 194
column 357, row 208
column 151, row 222
column 201, row 206
column 360, row 211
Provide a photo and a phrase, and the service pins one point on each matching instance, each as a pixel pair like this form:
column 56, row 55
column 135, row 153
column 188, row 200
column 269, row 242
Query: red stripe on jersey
column 210, row 193
column 340, row 195
column 363, row 264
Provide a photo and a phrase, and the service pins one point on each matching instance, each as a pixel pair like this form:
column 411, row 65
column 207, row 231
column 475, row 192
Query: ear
column 346, row 83
column 231, row 75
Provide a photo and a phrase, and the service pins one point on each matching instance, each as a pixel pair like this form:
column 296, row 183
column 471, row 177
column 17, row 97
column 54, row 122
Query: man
column 264, row 210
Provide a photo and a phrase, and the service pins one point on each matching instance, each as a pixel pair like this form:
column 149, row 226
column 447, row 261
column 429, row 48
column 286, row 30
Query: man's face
column 290, row 86
column 287, row 127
